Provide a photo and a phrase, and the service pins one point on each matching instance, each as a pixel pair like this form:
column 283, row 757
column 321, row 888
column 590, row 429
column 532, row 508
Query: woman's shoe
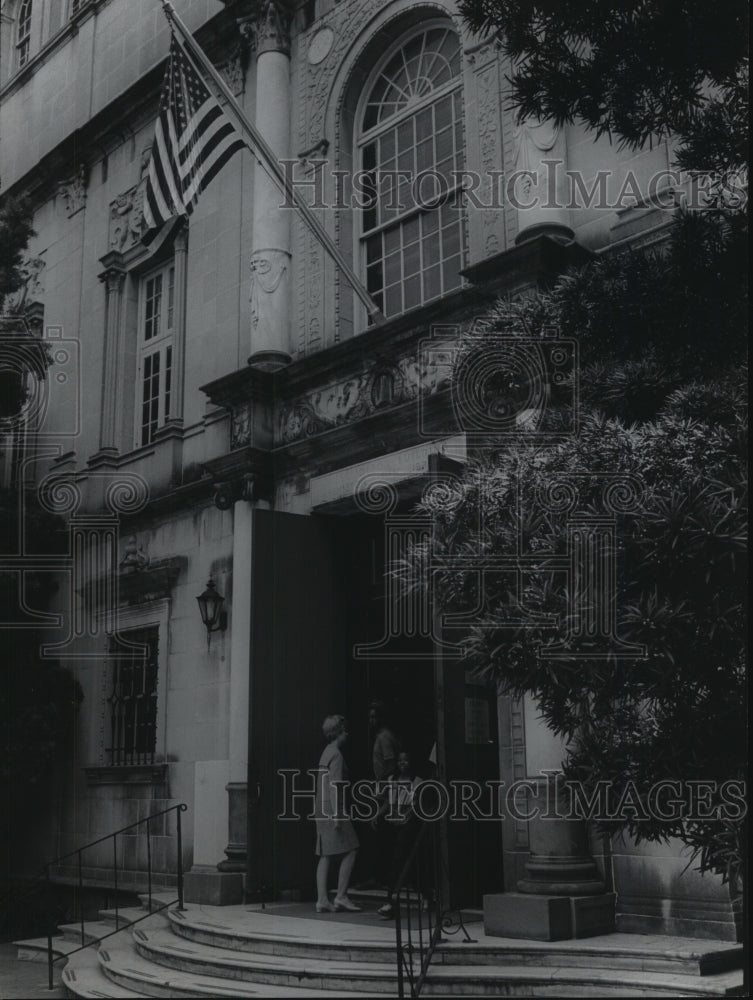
column 325, row 908
column 386, row 912
column 347, row 906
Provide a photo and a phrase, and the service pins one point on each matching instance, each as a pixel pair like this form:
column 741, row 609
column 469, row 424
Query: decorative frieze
column 380, row 387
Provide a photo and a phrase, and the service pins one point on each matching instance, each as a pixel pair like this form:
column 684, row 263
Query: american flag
column 193, row 139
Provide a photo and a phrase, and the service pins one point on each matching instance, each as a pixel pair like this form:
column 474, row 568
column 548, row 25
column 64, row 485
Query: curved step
column 252, row 931
column 167, row 950
column 125, row 969
column 284, row 971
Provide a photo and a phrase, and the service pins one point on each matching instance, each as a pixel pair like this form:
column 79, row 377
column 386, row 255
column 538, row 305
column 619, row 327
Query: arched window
column 23, row 32
column 410, row 147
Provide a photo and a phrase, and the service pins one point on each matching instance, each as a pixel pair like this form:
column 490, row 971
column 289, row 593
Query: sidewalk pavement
column 25, row 980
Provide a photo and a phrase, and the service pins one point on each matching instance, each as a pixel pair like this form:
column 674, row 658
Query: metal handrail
column 78, row 852
column 413, row 960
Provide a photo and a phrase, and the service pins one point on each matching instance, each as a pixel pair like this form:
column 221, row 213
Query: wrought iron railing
column 422, row 913
column 78, row 854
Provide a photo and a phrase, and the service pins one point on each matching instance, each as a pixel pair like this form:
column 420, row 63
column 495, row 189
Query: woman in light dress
column 335, row 836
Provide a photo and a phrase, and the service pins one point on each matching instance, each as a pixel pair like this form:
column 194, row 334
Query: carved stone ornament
column 380, row 387
column 268, row 268
column 233, row 69
column 266, row 25
column 127, row 218
column 530, row 140
column 73, row 191
column 246, row 487
column 134, row 557
column 240, row 428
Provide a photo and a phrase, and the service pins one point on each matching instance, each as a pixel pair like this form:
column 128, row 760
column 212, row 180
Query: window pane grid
column 133, row 699
column 154, row 402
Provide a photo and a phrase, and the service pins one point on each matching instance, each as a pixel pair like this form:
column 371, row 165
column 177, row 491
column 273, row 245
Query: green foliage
column 38, row 698
column 634, row 70
column 15, row 232
column 663, row 396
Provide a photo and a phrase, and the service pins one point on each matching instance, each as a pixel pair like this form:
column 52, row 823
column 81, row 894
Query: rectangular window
column 132, row 697
column 157, row 311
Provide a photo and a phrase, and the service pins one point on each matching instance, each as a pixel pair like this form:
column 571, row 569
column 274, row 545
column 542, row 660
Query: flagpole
column 259, row 147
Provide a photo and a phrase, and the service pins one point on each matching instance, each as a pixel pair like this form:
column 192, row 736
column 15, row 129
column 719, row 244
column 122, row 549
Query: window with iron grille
column 132, row 697
column 411, row 152
column 156, row 312
column 23, row 33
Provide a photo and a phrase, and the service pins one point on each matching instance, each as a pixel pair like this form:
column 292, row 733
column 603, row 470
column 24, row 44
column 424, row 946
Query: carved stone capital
column 245, row 487
column 266, row 26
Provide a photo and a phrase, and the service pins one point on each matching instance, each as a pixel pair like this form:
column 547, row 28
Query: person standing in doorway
column 384, row 754
column 401, row 826
column 386, row 745
column 335, row 836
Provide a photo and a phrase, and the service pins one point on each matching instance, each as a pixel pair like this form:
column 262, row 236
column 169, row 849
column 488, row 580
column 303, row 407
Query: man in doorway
column 384, row 754
column 386, row 745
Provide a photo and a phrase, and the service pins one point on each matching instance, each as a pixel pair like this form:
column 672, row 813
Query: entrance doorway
column 318, row 618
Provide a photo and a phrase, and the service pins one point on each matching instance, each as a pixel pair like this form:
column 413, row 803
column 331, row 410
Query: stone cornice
column 539, row 260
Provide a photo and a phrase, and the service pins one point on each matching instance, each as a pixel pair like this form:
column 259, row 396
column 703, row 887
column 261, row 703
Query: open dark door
column 297, row 679
column 469, row 753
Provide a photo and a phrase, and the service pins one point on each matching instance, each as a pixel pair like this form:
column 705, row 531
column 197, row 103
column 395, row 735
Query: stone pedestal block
column 213, row 888
column 517, row 915
column 593, row 915
column 548, row 918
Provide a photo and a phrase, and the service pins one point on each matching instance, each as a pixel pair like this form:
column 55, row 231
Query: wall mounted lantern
column 210, row 606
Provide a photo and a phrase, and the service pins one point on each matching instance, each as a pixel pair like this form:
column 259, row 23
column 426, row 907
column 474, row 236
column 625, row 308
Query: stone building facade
column 225, row 411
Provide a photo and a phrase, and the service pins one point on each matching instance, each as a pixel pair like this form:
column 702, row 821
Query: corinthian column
column 270, row 259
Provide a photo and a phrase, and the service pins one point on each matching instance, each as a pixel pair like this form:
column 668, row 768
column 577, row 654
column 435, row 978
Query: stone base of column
column 236, row 851
column 212, row 887
column 548, row 918
column 555, row 230
column 269, row 361
column 551, row 875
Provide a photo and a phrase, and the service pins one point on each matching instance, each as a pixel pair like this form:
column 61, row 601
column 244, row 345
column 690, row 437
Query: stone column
column 270, row 259
column 562, row 895
column 114, row 281
column 540, row 188
column 223, row 885
column 180, row 263
column 240, row 648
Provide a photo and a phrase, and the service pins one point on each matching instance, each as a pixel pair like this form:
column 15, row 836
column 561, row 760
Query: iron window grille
column 132, row 699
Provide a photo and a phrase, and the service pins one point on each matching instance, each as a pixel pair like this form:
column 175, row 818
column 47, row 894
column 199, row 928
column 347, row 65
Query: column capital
column 266, row 25
column 114, row 273
column 180, row 240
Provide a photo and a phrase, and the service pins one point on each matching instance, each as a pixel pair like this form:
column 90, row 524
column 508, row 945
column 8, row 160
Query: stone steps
column 122, row 967
column 317, row 974
column 617, row 951
column 279, row 951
